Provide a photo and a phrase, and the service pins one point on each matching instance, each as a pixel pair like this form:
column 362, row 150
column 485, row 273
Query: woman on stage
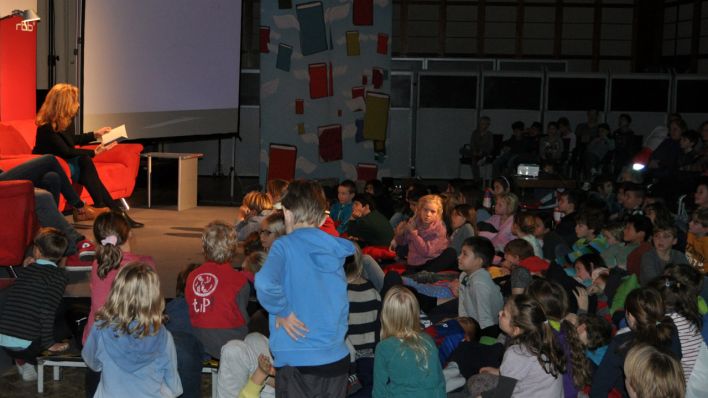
column 55, row 135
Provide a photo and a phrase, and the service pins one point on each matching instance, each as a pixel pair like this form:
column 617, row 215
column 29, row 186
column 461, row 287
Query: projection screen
column 164, row 68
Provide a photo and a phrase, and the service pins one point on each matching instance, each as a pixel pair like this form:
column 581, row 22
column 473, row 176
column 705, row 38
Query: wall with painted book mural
column 325, row 84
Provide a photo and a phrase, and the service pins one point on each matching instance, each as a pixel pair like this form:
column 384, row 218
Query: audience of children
column 552, row 336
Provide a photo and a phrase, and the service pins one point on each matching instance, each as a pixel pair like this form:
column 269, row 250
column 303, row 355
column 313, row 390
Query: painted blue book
column 313, row 33
column 284, row 53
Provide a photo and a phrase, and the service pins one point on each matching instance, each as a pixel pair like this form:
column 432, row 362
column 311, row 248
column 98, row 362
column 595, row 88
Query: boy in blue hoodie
column 303, row 287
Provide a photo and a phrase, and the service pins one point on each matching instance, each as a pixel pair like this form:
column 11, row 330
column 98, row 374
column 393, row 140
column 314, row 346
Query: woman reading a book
column 55, row 136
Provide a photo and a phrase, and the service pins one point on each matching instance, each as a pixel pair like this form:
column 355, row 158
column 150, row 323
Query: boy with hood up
column 303, row 287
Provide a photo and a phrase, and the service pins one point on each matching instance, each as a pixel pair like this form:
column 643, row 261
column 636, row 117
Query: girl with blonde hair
column 505, row 206
column 425, row 236
column 406, row 362
column 128, row 343
column 56, row 136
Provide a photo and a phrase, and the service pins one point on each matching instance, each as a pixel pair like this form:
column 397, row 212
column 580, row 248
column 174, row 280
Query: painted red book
column 299, row 106
column 377, row 77
column 382, row 44
column 330, row 145
column 264, row 38
column 363, row 12
column 330, row 81
column 318, row 80
column 364, row 80
column 366, row 171
column 357, row 92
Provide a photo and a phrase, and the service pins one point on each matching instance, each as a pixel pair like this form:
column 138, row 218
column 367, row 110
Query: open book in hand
column 116, row 135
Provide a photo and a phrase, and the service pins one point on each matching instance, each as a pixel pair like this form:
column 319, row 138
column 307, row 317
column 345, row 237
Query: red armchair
column 19, row 220
column 117, row 168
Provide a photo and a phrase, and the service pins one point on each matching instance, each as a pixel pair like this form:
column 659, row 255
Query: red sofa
column 117, row 168
column 19, row 222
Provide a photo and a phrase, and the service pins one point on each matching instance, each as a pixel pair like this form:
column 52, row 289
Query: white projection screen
column 164, row 68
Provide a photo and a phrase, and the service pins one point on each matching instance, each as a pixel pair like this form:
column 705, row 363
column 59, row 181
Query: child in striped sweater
column 27, row 317
column 364, row 323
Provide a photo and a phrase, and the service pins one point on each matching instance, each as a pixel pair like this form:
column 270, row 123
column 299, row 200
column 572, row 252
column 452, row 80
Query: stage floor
column 172, row 238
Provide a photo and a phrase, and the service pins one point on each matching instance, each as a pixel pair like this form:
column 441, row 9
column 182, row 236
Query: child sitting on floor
column 426, row 238
column 523, row 228
column 464, row 225
column 128, row 343
column 479, row 297
column 28, row 314
column 216, row 293
column 502, row 220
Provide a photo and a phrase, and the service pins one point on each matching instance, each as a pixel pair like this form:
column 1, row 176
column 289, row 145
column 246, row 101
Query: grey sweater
column 653, row 266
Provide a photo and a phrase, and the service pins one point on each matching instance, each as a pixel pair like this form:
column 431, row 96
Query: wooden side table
column 186, row 177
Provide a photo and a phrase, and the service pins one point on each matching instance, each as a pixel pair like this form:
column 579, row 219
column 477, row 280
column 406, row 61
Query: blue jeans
column 189, row 363
column 46, row 173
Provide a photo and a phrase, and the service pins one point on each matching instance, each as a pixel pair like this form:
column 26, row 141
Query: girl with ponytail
column 648, row 325
column 533, row 357
column 554, row 300
column 111, row 232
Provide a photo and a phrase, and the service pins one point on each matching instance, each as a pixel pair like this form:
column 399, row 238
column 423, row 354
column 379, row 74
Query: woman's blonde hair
column 512, row 201
column 59, row 108
column 135, row 304
column 219, row 242
column 400, row 319
column 433, row 199
column 653, row 373
column 257, row 202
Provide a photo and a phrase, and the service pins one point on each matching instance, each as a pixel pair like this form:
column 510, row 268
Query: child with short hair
column 616, row 253
column 654, row 261
column 651, row 372
column 697, row 241
column 426, row 237
column 632, row 200
column 595, row 333
column 479, row 297
column 533, row 357
column 521, row 262
column 30, row 308
column 303, row 287
column 341, row 211
column 590, row 240
column 464, row 225
column 217, row 294
column 637, row 231
column 272, row 227
column 407, row 362
column 128, row 343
